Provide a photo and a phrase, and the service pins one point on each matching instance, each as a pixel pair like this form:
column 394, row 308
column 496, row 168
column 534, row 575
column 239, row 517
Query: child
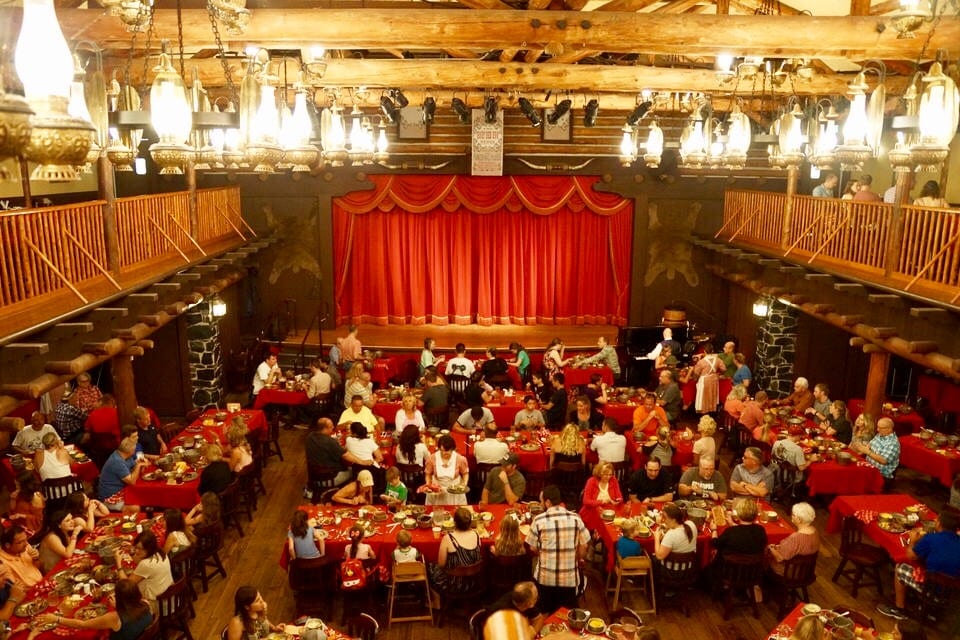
column 396, row 492
column 405, row 552
column 626, row 546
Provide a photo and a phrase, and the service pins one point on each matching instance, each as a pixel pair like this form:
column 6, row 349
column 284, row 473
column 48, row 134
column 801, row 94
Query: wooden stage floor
column 477, row 338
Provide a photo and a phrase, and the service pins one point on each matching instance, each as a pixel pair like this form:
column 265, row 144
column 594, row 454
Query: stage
column 406, row 338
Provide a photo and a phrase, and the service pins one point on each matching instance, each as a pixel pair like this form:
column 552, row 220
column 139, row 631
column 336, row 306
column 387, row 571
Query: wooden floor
column 476, row 337
column 253, row 560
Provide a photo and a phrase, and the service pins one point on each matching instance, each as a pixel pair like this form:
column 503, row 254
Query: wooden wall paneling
column 162, row 374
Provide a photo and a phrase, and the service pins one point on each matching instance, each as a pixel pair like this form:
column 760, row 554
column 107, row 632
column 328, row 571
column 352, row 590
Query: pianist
column 667, row 340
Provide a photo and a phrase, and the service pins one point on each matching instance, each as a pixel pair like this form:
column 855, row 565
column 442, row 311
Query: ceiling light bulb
column 724, row 60
column 43, row 59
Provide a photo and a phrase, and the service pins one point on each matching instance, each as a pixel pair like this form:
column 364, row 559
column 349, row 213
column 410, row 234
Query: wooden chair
column 536, row 481
column 765, row 449
column 864, row 557
column 175, row 607
column 207, row 550
column 475, row 625
column 458, row 386
column 56, row 490
column 799, row 572
column 152, row 632
column 478, row 478
column 940, row 594
column 412, row 476
column 193, row 415
column 438, row 417
column 183, row 564
column 629, row 569
column 362, row 626
column 625, row 612
column 738, row 440
column 788, row 484
column 740, row 572
column 409, row 573
column 448, row 600
column 679, row 573
column 506, row 571
column 170, row 431
column 230, row 506
column 319, row 479
column 312, row 580
column 622, row 471
column 247, row 489
column 271, row 444
column 569, row 478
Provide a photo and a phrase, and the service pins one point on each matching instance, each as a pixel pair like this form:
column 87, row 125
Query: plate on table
column 613, row 631
column 91, row 611
column 530, row 447
column 196, row 429
column 553, row 627
column 323, row 535
column 892, row 526
column 190, row 476
column 109, row 521
column 50, row 626
column 30, row 609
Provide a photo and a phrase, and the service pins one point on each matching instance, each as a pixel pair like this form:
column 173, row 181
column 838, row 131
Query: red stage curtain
column 463, row 250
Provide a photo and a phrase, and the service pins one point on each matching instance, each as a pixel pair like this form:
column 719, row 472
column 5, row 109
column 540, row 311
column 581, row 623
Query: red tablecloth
column 382, row 370
column 620, row 411
column 893, row 543
column 942, row 463
column 903, row 423
column 256, row 424
column 280, row 396
column 831, row 478
column 576, row 377
column 776, row 531
column 86, row 471
column 943, row 394
column 157, row 493
column 384, row 541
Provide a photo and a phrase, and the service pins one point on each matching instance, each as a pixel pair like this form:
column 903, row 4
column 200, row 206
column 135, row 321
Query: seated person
column 767, row 431
column 19, row 562
column 611, row 446
column 703, row 480
column 361, row 445
column 460, row 365
column 596, row 391
column 750, row 477
column 489, row 450
column 602, row 491
column 802, row 542
column 530, row 416
column 359, row 412
column 395, row 493
column 59, row 540
column 584, row 415
column 304, row 539
column 52, row 460
column 217, row 475
column 751, row 414
column 568, row 446
column 838, row 422
column 800, row 400
column 821, row 403
column 523, row 599
column 648, row 417
column 436, row 393
column 505, row 484
column 705, row 445
column 358, row 492
column 178, row 537
column 675, row 535
column 938, row 551
column 509, row 541
column 410, row 447
column 478, row 392
column 405, row 551
column 121, row 469
column 240, row 454
column 662, row 450
column 250, row 617
column 472, row 419
column 494, row 370
column 30, row 439
column 790, row 451
column 627, row 545
column 649, row 484
column 149, row 440
column 746, row 537
column 733, row 404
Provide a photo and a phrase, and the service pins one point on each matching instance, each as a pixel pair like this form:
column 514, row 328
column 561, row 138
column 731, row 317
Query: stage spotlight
column 460, row 108
column 562, row 108
column 429, row 108
column 399, row 98
column 388, row 109
column 638, row 113
column 490, row 109
column 590, row 113
column 527, row 109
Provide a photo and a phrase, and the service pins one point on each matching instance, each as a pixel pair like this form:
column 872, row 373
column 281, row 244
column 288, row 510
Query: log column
column 876, row 380
column 108, row 193
column 194, row 220
column 121, row 370
column 895, row 243
column 793, row 177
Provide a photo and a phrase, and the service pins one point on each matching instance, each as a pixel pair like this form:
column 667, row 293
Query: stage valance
column 464, row 250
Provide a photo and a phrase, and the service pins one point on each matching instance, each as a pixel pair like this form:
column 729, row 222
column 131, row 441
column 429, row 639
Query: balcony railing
column 857, row 239
column 54, row 260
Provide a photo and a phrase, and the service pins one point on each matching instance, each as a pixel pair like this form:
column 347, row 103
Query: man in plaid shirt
column 559, row 539
column 69, row 419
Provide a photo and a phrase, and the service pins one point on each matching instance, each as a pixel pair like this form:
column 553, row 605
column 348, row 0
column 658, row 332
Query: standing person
column 553, row 361
column 607, row 355
column 267, row 373
column 427, row 359
column 555, row 411
column 559, row 539
column 447, row 468
column 726, row 357
column 667, row 340
column 827, row 188
column 350, row 348
column 87, row 394
column 521, row 360
column 742, row 376
column 864, row 194
column 930, row 196
column 68, row 419
column 707, row 373
column 460, row 364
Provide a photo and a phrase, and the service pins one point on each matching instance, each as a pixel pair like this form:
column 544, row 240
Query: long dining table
column 939, row 462
column 868, row 509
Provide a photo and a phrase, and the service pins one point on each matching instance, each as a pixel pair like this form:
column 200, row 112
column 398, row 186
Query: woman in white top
column 52, row 460
column 410, row 447
column 152, row 573
column 930, row 196
column 447, row 468
column 362, row 445
column 409, row 414
column 706, row 445
column 177, row 537
column 675, row 535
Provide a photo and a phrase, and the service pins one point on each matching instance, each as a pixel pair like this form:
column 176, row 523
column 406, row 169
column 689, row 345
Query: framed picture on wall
column 559, row 131
column 411, row 125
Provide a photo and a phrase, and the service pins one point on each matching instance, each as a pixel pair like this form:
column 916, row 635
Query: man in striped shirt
column 559, row 539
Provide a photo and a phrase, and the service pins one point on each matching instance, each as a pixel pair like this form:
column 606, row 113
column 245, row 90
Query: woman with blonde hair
column 509, row 542
column 809, row 628
column 864, row 428
column 217, row 474
column 602, row 491
column 52, row 459
column 568, row 446
column 409, row 414
column 241, row 455
column 766, row 431
column 705, row 444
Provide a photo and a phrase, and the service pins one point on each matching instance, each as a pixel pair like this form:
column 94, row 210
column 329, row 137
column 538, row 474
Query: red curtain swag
column 464, row 250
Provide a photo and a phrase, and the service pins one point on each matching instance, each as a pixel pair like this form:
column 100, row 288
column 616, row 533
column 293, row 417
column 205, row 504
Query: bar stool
column 409, row 573
column 632, row 567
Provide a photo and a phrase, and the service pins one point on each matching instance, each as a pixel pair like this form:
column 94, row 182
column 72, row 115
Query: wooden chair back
column 800, row 571
column 741, row 570
column 362, row 627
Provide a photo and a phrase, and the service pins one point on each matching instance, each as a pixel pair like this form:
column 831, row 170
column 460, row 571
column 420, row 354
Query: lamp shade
column 170, row 112
column 266, row 122
column 218, row 308
column 855, row 127
column 939, row 106
column 738, row 132
column 43, row 59
column 655, row 140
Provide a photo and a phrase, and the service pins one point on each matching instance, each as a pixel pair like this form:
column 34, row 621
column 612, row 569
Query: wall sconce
column 654, row 146
column 218, row 308
column 761, row 308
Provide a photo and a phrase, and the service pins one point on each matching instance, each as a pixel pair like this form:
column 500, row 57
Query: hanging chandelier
column 854, row 150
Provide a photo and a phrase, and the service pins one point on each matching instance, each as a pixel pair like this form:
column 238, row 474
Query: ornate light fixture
column 296, row 133
column 909, row 18
column 938, row 118
column 58, row 141
column 262, row 150
column 739, row 136
column 218, row 308
column 854, row 150
column 383, row 144
column 628, row 146
column 654, row 146
column 333, row 135
column 791, row 137
column 693, row 143
column 14, row 127
column 171, row 116
column 824, row 149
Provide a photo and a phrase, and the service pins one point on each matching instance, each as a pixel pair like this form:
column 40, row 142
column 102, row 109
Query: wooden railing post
column 876, row 380
column 793, row 176
column 108, row 193
column 192, row 200
column 121, row 370
column 895, row 239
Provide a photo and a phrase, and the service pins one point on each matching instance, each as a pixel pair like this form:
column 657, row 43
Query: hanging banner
column 486, row 158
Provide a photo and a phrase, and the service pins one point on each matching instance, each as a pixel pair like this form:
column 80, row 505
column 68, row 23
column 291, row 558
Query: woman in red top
column 602, row 491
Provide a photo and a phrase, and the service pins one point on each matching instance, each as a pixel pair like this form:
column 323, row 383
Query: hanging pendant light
column 791, row 137
column 296, row 134
column 854, row 150
column 824, row 149
column 628, row 146
column 334, row 136
column 77, row 107
column 938, row 118
column 654, row 146
column 171, row 117
column 739, row 136
column 263, row 152
column 58, row 141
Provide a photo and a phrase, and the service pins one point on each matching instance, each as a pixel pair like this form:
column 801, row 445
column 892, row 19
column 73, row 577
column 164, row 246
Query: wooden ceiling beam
column 465, row 74
column 677, row 6
column 882, row 8
column 750, row 6
column 858, row 7
column 630, row 6
column 617, row 32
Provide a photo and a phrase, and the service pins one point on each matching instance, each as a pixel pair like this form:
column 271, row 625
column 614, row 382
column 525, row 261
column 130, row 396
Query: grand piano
column 634, row 343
